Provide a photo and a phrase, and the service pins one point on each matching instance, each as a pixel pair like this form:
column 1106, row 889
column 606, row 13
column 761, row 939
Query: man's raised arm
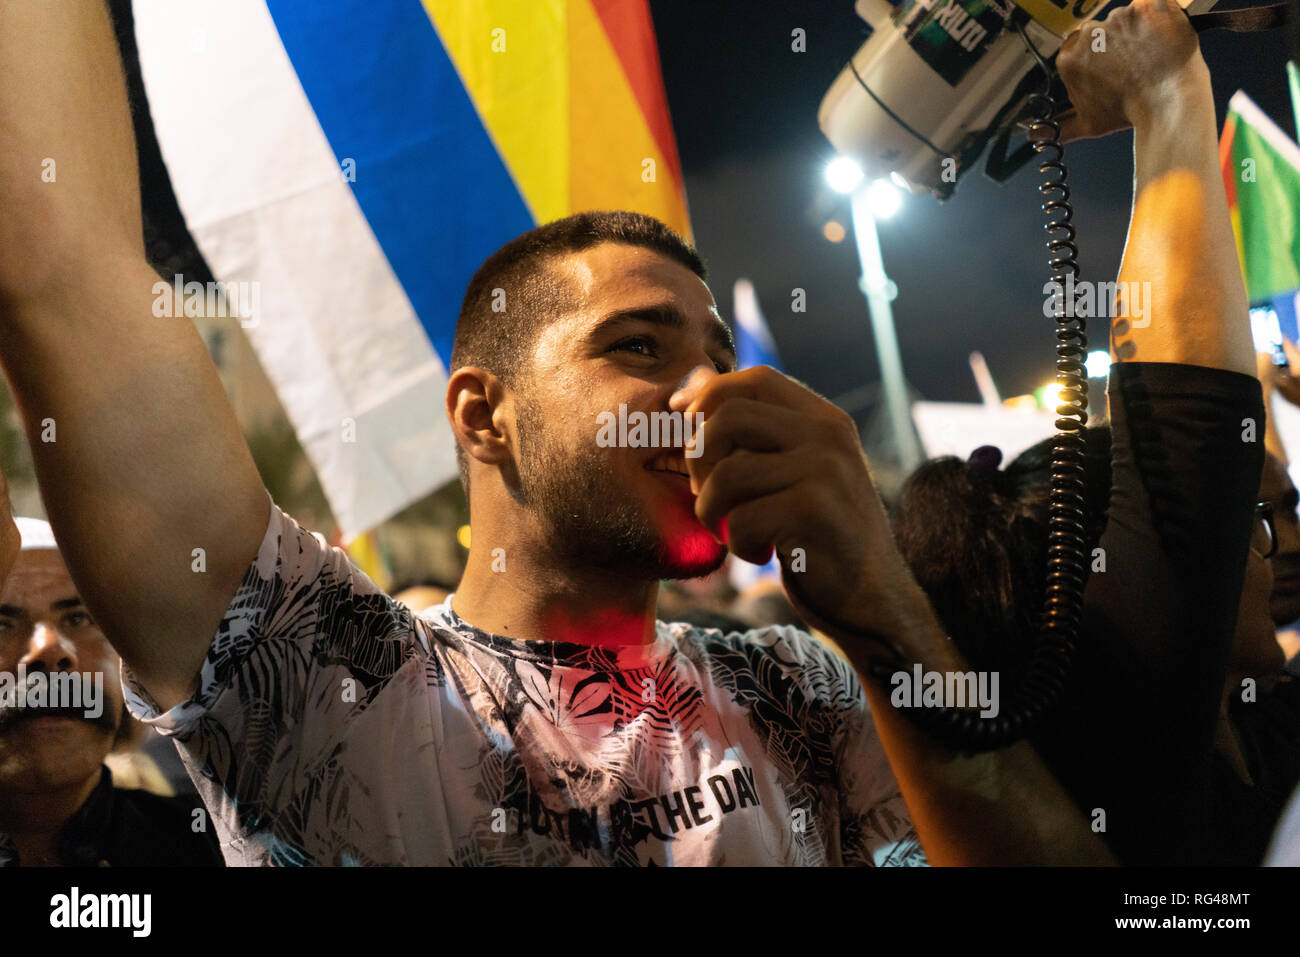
column 1185, row 297
column 139, row 456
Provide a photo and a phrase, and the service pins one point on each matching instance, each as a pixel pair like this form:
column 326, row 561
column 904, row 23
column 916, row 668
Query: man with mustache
column 58, row 805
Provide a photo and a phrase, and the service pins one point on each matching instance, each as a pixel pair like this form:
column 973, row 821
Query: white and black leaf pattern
column 549, row 732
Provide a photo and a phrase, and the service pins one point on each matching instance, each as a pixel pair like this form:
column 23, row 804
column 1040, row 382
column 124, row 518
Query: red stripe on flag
column 631, row 33
column 1225, row 159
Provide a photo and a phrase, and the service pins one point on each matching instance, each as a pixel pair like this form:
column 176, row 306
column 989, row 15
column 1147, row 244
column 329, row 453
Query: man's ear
column 480, row 410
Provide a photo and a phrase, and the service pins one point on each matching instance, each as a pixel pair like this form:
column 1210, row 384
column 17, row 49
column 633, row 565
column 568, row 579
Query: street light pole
column 880, row 292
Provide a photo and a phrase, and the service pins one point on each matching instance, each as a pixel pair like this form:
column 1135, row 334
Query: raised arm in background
column 146, row 462
column 1151, row 76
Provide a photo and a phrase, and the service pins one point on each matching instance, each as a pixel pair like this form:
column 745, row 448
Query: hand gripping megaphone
column 939, row 80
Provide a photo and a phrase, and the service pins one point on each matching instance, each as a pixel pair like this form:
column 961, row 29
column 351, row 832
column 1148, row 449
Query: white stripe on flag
column 1272, row 134
column 748, row 315
column 265, row 200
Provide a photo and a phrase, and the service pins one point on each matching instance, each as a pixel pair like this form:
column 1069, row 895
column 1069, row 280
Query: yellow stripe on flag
column 1234, row 215
column 551, row 93
column 606, row 114
column 365, row 553
column 520, row 89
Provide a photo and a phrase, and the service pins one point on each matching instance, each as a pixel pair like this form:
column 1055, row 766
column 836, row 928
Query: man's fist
column 1125, row 70
column 785, row 469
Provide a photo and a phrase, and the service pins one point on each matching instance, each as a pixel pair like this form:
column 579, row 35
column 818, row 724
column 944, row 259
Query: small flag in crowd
column 754, row 343
column 754, row 347
column 1261, row 172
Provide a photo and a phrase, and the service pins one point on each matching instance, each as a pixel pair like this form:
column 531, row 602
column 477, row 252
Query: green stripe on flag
column 1266, row 164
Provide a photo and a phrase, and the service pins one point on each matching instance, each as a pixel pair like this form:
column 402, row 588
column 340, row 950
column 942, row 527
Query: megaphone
column 939, row 80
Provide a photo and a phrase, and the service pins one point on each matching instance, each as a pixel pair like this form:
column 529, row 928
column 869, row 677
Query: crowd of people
column 568, row 701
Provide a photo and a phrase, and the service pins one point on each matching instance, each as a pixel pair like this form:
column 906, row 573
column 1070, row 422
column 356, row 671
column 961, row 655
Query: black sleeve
column 1136, row 738
column 152, row 831
column 1268, row 734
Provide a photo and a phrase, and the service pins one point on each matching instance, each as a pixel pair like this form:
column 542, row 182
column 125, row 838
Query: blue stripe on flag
column 1284, row 306
column 428, row 179
column 752, row 351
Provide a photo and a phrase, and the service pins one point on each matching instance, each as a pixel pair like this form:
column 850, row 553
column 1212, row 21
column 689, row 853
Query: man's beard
column 591, row 519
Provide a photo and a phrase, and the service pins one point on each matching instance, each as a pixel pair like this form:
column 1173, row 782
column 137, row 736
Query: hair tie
column 985, row 459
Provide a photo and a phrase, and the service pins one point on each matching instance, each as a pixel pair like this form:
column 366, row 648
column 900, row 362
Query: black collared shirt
column 120, row 827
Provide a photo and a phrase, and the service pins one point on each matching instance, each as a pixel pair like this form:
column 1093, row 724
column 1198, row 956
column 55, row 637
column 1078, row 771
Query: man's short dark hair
column 521, row 275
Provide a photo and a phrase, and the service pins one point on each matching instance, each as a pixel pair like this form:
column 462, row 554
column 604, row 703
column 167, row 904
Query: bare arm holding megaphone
column 1145, row 70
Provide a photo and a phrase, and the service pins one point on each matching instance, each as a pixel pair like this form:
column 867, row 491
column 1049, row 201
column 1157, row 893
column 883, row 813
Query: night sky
column 970, row 271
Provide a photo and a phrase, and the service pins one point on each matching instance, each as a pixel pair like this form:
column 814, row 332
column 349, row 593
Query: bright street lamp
column 843, row 174
column 879, row 200
column 885, row 198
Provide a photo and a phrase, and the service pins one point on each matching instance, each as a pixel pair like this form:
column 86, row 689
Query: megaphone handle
column 1245, row 20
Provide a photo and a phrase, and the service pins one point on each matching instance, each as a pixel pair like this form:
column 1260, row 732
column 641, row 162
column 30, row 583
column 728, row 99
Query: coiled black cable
column 1045, row 676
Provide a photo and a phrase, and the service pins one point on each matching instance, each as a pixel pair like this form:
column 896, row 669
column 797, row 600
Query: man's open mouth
column 669, row 463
